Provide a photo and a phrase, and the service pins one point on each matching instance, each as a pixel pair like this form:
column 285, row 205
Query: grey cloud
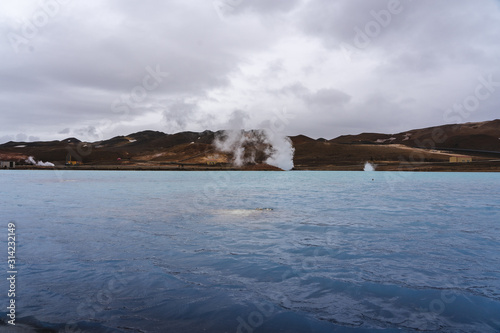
column 447, row 30
column 88, row 132
column 415, row 62
column 21, row 137
column 327, row 97
column 335, row 21
column 81, row 68
column 80, row 72
column 376, row 113
column 178, row 113
column 294, row 89
column 264, row 7
column 6, row 138
column 275, row 67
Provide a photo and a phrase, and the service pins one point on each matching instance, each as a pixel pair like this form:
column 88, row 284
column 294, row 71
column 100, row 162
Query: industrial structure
column 460, row 159
column 70, row 161
column 7, row 164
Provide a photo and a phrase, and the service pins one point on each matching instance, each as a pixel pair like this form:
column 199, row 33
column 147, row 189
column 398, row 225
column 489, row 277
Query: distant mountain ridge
column 157, row 149
column 475, row 135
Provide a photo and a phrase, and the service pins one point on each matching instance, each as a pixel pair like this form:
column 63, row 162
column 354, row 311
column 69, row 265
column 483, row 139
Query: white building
column 7, row 165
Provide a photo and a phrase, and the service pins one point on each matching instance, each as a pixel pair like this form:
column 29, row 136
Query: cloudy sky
column 96, row 69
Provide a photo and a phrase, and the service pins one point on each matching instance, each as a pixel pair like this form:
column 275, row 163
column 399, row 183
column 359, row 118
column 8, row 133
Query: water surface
column 104, row 251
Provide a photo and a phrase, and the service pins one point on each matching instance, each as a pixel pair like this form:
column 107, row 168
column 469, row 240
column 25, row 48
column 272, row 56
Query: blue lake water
column 105, row 251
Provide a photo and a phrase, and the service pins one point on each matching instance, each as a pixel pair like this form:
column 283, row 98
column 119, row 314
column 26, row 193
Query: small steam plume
column 369, row 167
column 256, row 146
column 31, row 160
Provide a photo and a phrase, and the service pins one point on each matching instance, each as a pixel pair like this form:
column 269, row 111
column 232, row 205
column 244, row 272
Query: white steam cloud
column 31, row 160
column 369, row 167
column 256, row 146
column 281, row 152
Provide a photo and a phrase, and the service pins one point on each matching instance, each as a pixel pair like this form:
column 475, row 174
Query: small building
column 460, row 159
column 70, row 161
column 7, row 164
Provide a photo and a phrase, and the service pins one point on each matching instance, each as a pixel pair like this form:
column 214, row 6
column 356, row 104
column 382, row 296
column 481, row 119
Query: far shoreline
column 480, row 166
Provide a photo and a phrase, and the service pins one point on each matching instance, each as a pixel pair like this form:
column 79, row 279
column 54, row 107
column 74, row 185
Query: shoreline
column 480, row 166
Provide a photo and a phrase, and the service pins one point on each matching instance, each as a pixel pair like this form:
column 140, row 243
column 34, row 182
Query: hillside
column 419, row 149
column 484, row 136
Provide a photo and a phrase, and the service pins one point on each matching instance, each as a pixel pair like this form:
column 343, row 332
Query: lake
column 146, row 251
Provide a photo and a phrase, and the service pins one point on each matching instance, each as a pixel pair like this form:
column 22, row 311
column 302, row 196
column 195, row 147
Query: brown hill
column 482, row 136
column 419, row 149
column 301, row 139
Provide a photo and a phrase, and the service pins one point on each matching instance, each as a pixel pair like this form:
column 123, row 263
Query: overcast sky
column 96, row 69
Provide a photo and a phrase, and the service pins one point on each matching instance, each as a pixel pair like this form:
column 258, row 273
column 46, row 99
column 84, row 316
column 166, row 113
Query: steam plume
column 31, row 160
column 256, row 146
column 369, row 167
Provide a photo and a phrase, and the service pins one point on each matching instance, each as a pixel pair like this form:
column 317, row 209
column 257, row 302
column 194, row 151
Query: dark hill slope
column 475, row 136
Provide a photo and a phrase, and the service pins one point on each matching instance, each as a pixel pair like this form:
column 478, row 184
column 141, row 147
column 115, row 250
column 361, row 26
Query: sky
column 97, row 69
